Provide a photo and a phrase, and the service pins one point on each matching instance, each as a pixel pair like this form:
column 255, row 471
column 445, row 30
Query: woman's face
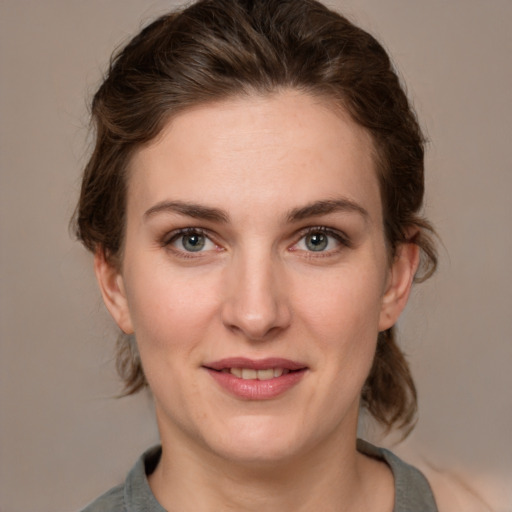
column 256, row 276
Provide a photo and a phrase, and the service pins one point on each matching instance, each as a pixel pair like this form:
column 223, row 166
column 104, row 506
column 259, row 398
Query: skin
column 257, row 290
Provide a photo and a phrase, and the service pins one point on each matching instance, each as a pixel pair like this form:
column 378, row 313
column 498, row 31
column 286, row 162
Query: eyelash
column 174, row 236
column 340, row 238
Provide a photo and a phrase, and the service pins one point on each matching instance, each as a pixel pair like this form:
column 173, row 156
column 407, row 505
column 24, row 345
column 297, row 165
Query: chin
column 257, row 440
column 280, row 438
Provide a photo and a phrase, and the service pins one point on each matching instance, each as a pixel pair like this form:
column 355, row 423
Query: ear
column 112, row 289
column 398, row 287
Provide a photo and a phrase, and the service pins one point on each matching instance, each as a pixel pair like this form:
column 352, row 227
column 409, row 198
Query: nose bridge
column 256, row 303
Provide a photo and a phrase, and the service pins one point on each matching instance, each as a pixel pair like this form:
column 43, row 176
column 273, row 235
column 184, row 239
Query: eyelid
column 172, row 236
column 341, row 237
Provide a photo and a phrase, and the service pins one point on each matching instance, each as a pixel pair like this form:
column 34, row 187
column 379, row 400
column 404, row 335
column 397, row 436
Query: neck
column 321, row 478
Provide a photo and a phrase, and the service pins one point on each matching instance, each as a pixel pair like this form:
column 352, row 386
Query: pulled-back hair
column 216, row 49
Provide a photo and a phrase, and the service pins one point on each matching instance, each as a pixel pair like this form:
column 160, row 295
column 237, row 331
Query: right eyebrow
column 197, row 211
column 325, row 207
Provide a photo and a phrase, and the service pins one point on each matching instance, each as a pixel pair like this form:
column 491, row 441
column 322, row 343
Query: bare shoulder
column 460, row 491
column 453, row 493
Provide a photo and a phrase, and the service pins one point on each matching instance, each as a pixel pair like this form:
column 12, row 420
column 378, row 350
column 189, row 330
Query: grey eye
column 316, row 241
column 193, row 242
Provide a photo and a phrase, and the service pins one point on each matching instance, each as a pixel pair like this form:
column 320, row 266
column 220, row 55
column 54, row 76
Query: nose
column 256, row 304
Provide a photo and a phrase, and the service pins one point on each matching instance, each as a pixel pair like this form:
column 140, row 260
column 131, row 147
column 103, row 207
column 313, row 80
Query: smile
column 250, row 379
column 250, row 373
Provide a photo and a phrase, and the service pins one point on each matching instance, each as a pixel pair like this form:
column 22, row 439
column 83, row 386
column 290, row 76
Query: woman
column 252, row 203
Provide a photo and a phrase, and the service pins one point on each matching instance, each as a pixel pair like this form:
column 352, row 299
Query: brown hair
column 215, row 49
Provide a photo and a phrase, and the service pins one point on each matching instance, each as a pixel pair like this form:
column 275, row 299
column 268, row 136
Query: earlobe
column 401, row 276
column 112, row 290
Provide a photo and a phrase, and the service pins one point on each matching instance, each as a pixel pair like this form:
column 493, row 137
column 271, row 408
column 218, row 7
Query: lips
column 255, row 364
column 252, row 379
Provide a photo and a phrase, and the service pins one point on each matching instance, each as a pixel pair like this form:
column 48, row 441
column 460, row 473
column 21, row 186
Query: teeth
column 249, row 373
column 237, row 372
column 266, row 374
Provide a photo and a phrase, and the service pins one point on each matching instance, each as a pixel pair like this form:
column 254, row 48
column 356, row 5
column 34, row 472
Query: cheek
column 171, row 314
column 342, row 315
column 343, row 302
column 168, row 306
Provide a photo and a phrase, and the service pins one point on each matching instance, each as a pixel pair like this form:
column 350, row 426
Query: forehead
column 257, row 152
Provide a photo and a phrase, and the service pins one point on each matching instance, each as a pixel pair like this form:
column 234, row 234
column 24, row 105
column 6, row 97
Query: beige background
column 63, row 437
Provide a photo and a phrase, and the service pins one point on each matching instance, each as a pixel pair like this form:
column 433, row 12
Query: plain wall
column 64, row 438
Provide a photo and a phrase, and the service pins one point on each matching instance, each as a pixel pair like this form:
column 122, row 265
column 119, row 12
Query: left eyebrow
column 325, row 207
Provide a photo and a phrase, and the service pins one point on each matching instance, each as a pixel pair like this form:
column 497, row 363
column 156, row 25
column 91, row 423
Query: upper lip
column 255, row 364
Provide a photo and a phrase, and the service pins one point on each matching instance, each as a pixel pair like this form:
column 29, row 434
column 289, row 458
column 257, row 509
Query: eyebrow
column 325, row 207
column 316, row 208
column 197, row 211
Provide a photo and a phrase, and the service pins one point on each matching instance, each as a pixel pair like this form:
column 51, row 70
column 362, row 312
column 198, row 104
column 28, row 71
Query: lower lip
column 254, row 389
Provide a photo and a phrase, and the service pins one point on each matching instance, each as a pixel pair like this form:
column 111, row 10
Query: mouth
column 261, row 369
column 256, row 379
column 249, row 373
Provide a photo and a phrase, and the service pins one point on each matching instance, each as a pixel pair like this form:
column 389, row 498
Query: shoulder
column 412, row 489
column 135, row 493
column 111, row 501
column 455, row 490
column 454, row 493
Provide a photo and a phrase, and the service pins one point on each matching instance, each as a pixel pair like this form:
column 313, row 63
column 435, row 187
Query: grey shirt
column 412, row 491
